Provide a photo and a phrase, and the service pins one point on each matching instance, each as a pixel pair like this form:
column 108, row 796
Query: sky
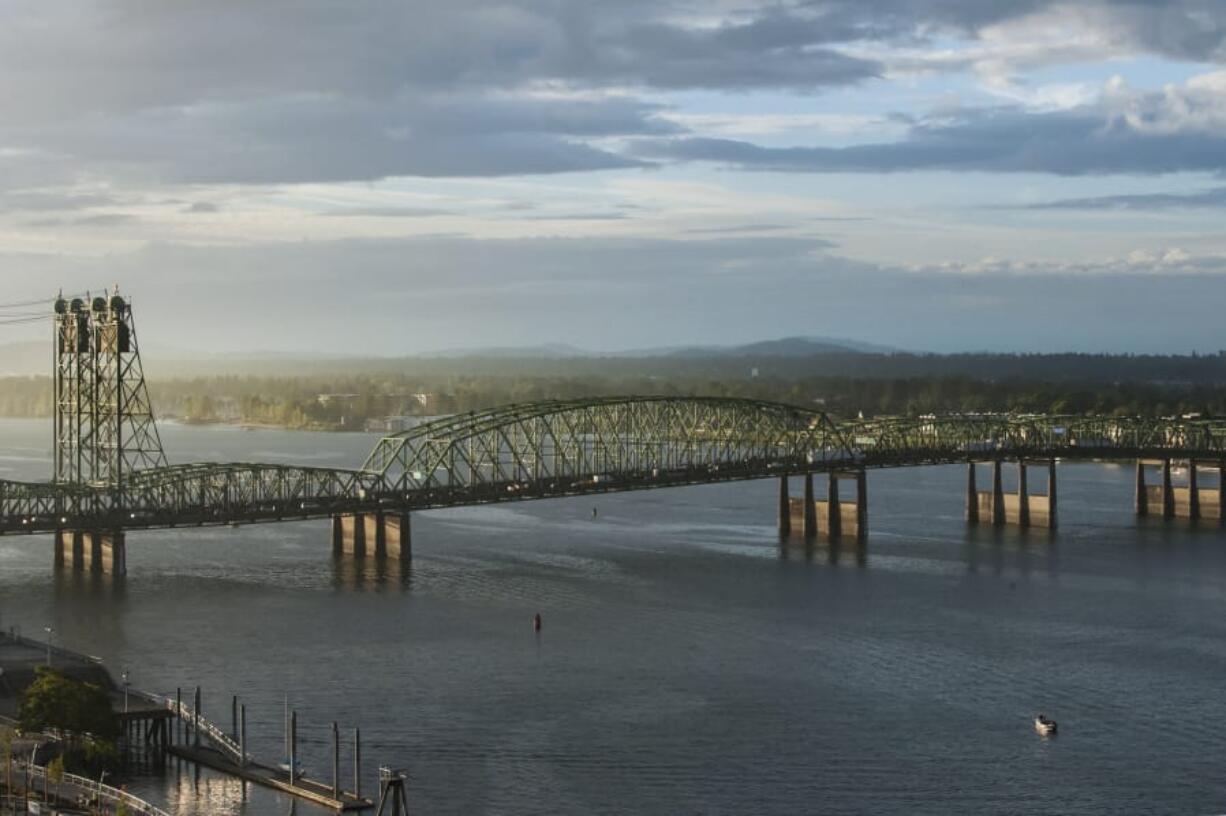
column 395, row 177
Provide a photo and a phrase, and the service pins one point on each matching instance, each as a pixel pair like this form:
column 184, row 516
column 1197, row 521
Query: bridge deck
column 558, row 449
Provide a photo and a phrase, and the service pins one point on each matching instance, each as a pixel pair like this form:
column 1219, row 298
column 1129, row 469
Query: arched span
column 559, row 448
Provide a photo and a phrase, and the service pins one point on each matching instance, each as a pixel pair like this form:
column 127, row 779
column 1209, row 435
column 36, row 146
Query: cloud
column 308, row 139
column 53, row 200
column 386, row 212
column 578, row 216
column 309, row 90
column 1205, row 199
column 1181, row 128
column 103, row 220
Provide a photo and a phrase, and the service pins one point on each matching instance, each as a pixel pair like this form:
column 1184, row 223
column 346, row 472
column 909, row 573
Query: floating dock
column 260, row 774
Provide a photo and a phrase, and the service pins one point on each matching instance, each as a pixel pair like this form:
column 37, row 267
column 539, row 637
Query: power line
column 47, row 301
column 23, row 313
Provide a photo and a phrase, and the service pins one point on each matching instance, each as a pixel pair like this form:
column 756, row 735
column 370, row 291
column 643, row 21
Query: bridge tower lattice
column 104, row 425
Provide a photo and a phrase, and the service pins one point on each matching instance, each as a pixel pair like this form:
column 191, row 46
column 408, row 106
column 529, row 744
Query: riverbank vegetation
column 865, row 384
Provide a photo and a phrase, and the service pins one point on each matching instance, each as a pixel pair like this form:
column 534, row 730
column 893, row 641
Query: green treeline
column 349, row 402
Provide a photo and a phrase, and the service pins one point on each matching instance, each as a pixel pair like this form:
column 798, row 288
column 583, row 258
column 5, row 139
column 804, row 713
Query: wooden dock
column 260, row 774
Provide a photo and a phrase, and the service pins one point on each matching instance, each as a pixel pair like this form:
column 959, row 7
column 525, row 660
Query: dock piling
column 293, row 747
column 336, row 761
column 357, row 763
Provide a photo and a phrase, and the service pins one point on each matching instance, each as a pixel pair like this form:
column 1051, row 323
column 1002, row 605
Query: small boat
column 298, row 770
column 1044, row 726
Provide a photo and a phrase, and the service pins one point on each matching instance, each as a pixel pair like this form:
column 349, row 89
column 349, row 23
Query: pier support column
column 375, row 545
column 834, row 510
column 861, row 505
column 785, row 507
column 1023, row 496
column 998, row 494
column 112, row 550
column 972, row 495
column 1193, row 492
column 69, row 549
column 1221, row 492
column 1168, row 495
column 809, row 520
column 1051, row 495
column 353, row 534
column 397, row 536
column 1141, row 500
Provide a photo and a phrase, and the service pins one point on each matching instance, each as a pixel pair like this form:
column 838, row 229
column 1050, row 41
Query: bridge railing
column 95, row 789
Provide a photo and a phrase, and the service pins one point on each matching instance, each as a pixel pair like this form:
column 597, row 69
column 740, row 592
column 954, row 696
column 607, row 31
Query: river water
column 688, row 663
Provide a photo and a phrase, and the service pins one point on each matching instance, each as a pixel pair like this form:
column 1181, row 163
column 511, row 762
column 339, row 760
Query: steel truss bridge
column 574, row 448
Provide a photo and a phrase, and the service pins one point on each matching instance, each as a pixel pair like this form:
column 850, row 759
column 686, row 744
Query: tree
column 71, row 707
column 55, row 773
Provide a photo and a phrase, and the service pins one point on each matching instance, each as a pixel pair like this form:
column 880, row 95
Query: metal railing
column 220, row 739
column 59, row 651
column 93, row 788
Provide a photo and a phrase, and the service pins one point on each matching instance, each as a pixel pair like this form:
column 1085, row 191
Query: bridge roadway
column 574, row 448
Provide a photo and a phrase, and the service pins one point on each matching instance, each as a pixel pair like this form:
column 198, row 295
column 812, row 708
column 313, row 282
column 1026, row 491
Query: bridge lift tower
column 104, row 426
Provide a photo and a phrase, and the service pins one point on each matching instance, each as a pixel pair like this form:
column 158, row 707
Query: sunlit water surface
column 688, row 662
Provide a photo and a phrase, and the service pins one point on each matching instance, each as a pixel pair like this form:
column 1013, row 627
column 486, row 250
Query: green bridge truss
column 542, row 450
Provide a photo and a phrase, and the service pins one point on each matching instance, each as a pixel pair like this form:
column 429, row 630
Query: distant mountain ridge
column 783, row 347
column 33, row 357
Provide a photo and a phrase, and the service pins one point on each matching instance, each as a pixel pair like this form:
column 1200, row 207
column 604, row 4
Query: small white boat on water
column 1044, row 726
column 284, row 766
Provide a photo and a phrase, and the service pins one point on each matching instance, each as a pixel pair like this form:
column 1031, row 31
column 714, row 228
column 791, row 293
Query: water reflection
column 86, row 583
column 1002, row 550
column 842, row 552
column 371, row 574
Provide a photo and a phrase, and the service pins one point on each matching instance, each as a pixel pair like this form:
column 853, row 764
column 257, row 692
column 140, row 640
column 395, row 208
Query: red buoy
column 536, row 622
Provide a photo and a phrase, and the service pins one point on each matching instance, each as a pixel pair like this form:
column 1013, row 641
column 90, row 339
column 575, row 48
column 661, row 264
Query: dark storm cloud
column 315, row 90
column 1084, row 141
column 292, row 140
column 1205, row 199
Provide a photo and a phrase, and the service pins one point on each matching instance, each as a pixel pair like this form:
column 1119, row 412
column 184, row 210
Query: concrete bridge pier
column 378, row 534
column 1178, row 501
column 1023, row 508
column 829, row 519
column 103, row 551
